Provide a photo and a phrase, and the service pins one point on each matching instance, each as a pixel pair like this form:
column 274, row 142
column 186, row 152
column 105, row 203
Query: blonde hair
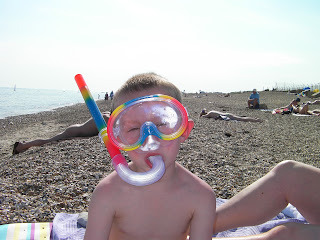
column 146, row 81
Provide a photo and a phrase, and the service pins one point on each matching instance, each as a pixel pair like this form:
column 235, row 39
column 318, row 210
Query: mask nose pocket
column 150, row 144
column 150, row 141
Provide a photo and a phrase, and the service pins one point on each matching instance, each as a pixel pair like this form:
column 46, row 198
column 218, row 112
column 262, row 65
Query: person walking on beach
column 254, row 99
column 216, row 115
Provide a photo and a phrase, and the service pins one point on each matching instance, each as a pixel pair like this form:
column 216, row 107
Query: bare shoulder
column 107, row 189
column 196, row 187
column 199, row 198
column 103, row 208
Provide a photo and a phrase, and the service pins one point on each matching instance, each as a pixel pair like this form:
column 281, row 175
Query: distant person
column 111, row 95
column 84, row 130
column 293, row 103
column 254, row 99
column 227, row 116
column 304, row 108
column 289, row 108
column 294, row 107
column 106, row 96
column 225, row 95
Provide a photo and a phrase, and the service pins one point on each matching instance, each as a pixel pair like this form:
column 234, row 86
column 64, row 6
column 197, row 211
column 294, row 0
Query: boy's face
column 167, row 149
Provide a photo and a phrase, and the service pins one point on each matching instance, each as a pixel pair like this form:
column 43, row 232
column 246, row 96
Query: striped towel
column 26, row 231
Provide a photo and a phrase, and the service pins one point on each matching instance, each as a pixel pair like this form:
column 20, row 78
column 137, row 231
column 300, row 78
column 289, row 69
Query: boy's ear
column 186, row 133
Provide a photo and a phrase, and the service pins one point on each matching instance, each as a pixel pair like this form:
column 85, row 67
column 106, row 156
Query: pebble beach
column 228, row 155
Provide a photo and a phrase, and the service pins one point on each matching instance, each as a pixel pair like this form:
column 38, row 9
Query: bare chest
column 153, row 217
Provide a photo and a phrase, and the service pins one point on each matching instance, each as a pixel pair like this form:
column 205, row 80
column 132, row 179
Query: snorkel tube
column 119, row 162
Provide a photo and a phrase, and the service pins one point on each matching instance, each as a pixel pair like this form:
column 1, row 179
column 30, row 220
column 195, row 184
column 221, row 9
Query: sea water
column 26, row 101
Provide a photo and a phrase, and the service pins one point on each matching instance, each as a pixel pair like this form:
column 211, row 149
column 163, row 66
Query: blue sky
column 212, row 45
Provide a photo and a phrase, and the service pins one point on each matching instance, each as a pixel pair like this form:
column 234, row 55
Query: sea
column 18, row 101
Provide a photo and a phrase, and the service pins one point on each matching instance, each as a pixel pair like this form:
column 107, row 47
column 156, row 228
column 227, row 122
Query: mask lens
column 127, row 126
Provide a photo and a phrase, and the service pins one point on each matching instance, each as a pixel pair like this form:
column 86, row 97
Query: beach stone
column 83, row 219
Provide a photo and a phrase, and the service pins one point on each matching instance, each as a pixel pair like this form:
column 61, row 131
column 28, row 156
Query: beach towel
column 266, row 110
column 281, row 111
column 67, row 226
column 26, row 231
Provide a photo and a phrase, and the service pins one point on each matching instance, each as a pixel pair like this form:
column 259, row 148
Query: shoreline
column 32, row 101
column 228, row 155
column 41, row 111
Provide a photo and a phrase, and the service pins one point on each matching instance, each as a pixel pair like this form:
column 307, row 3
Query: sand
column 228, row 155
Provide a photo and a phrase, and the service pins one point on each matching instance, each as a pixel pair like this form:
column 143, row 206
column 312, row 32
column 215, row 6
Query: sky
column 208, row 45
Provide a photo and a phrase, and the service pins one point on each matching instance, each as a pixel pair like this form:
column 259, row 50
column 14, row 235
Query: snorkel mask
column 144, row 124
column 132, row 123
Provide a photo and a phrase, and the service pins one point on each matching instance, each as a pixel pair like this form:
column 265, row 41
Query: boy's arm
column 101, row 214
column 203, row 217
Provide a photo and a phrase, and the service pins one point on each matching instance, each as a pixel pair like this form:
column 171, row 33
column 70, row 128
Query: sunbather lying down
column 304, row 108
column 227, row 116
column 294, row 107
column 84, row 130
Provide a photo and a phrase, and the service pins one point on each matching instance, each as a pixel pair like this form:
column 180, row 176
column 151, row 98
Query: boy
column 178, row 205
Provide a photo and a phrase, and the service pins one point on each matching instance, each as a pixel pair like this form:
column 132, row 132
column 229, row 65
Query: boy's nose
column 150, row 144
